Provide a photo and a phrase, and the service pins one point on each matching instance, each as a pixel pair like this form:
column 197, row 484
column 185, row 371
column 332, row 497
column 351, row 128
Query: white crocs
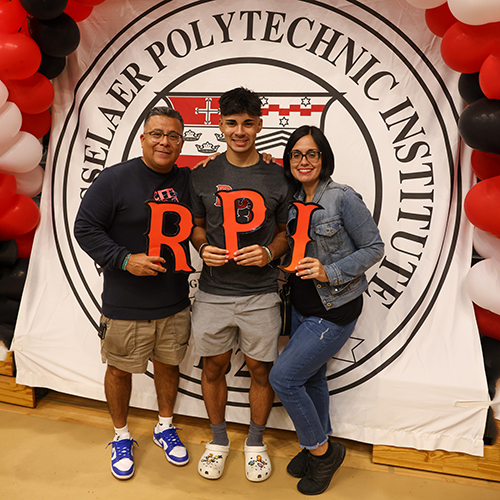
column 211, row 464
column 257, row 463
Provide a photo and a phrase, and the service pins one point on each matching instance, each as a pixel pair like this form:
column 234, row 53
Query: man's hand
column 268, row 158
column 141, row 264
column 254, row 255
column 204, row 163
column 214, row 256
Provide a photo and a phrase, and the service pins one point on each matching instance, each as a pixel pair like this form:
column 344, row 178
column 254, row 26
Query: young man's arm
column 211, row 255
column 257, row 255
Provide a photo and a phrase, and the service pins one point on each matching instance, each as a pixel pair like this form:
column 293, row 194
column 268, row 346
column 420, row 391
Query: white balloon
column 475, row 12
column 4, row 93
column 426, row 4
column 486, row 244
column 482, row 284
column 24, row 155
column 30, row 183
column 10, row 124
column 3, row 352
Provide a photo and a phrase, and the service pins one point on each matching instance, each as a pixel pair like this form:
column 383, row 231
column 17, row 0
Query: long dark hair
column 327, row 158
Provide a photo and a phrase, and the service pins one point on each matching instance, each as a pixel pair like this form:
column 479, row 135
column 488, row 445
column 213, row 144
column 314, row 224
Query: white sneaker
column 122, row 458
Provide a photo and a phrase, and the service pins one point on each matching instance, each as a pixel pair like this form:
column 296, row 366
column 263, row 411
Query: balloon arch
column 36, row 37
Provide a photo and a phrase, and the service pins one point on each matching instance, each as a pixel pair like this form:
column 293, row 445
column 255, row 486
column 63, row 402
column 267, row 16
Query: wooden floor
column 56, row 450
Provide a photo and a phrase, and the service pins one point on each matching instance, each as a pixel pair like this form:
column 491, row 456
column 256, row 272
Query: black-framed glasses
column 312, row 156
column 172, row 137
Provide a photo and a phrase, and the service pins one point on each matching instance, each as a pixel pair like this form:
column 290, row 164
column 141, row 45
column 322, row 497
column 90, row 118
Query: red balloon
column 488, row 323
column 12, row 16
column 33, row 96
column 21, row 218
column 25, row 244
column 464, row 47
column 37, row 125
column 89, row 2
column 8, row 188
column 485, row 165
column 482, row 205
column 438, row 20
column 20, row 56
column 489, row 77
column 24, row 27
column 78, row 11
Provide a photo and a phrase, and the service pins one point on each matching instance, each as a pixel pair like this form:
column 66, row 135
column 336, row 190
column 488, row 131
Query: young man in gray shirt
column 237, row 304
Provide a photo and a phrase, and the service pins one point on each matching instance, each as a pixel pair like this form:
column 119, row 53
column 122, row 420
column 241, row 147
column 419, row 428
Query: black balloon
column 57, row 37
column 479, row 125
column 12, row 280
column 469, row 88
column 8, row 252
column 51, row 66
column 8, row 311
column 6, row 334
column 44, row 9
column 491, row 356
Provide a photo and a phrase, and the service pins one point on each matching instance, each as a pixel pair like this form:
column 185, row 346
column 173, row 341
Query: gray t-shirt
column 271, row 183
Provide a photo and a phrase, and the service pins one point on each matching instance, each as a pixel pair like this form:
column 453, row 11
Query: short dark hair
column 164, row 111
column 327, row 158
column 240, row 100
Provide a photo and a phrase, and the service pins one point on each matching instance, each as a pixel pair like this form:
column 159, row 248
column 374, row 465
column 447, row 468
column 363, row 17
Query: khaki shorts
column 128, row 345
column 252, row 322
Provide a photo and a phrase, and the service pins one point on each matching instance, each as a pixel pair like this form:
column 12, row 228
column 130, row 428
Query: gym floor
column 57, row 451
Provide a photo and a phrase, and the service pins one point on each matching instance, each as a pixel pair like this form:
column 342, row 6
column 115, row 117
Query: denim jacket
column 345, row 238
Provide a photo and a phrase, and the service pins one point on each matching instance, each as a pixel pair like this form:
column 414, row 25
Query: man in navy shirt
column 145, row 305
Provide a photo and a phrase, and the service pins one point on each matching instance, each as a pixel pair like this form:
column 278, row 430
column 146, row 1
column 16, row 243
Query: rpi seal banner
column 367, row 73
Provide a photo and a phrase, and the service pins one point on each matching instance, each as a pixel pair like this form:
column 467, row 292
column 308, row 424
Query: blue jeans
column 299, row 375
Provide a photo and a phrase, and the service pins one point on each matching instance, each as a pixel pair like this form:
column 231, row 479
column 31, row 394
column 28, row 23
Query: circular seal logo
column 382, row 104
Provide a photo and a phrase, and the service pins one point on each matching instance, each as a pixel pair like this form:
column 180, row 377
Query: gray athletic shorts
column 128, row 345
column 252, row 322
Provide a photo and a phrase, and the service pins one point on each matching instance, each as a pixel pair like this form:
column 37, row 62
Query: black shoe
column 321, row 470
column 297, row 466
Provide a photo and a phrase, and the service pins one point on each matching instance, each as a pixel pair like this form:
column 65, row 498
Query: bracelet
column 200, row 250
column 269, row 253
column 125, row 261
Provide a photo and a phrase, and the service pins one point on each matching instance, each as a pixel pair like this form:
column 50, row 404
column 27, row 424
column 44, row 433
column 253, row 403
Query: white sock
column 122, row 433
column 165, row 422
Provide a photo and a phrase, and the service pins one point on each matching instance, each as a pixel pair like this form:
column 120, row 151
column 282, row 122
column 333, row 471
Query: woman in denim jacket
column 327, row 299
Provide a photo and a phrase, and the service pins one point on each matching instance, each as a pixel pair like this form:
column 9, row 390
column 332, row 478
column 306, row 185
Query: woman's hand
column 310, row 268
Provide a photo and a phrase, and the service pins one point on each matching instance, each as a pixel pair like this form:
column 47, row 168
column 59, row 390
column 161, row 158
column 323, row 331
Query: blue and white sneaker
column 168, row 439
column 122, row 458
